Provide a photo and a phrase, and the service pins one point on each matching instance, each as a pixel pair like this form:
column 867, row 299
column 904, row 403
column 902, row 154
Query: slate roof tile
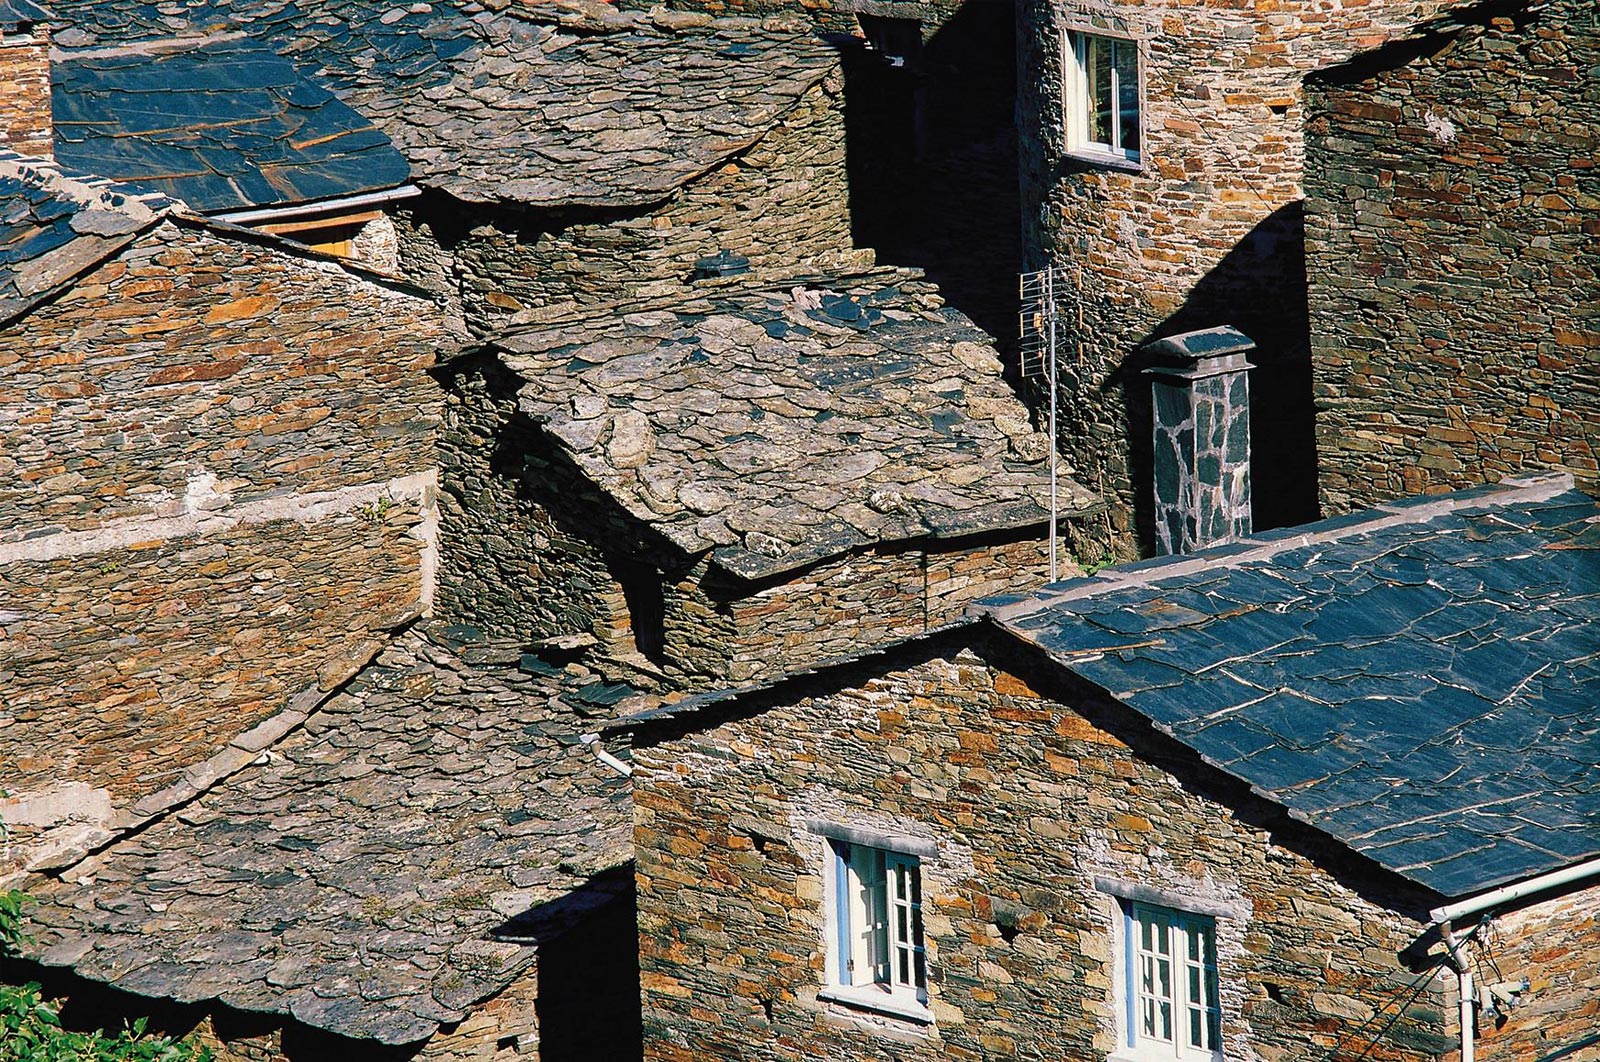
column 546, row 103
column 1426, row 674
column 361, row 876
column 774, row 453
column 221, row 122
column 55, row 225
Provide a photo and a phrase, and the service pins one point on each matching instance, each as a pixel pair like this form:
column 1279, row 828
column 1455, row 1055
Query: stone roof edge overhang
column 242, row 751
column 1266, row 545
column 704, row 712
column 1423, row 38
column 159, row 207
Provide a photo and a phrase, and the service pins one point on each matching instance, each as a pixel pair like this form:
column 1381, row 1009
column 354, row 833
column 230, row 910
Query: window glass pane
column 1127, row 66
column 1097, row 71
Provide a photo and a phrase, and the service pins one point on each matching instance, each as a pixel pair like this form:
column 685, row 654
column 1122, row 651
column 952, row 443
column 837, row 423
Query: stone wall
column 218, row 473
column 863, row 599
column 25, row 123
column 1204, row 230
column 524, row 540
column 531, row 549
column 1452, row 225
column 1032, row 801
column 1552, row 945
column 781, row 202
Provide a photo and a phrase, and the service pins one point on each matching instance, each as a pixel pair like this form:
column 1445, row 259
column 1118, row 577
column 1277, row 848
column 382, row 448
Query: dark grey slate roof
column 15, row 13
column 779, row 428
column 362, row 877
column 53, row 227
column 1421, row 682
column 546, row 103
column 220, row 122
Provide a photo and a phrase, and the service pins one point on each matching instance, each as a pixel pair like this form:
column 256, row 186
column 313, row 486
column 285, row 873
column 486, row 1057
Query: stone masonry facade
column 25, row 88
column 1551, row 945
column 220, row 470
column 782, row 203
column 532, row 550
column 1452, row 226
column 1204, row 230
column 1033, row 798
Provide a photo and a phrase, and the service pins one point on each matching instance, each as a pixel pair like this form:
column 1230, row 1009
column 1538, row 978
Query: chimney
column 25, row 125
column 1200, row 416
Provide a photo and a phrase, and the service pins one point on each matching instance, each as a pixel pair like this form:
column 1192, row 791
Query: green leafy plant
column 12, row 936
column 31, row 1031
column 30, row 1025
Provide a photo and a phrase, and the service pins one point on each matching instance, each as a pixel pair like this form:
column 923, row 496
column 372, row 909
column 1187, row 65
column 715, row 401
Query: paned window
column 877, row 950
column 1170, row 985
column 1102, row 93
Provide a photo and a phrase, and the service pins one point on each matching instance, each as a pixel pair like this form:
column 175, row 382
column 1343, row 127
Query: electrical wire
column 1415, row 987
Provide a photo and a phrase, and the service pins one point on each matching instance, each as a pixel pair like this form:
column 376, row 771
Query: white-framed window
column 1168, row 993
column 1102, row 95
column 876, row 956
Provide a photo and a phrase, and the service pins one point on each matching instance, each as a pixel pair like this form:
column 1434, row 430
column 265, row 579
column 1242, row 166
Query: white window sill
column 1162, row 1054
column 876, row 999
column 1109, row 160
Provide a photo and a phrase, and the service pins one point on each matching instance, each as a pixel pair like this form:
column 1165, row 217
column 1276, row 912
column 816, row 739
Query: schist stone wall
column 219, row 475
column 1452, row 226
column 1204, row 230
column 1551, row 945
column 25, row 89
column 532, row 549
column 1036, row 806
column 782, row 202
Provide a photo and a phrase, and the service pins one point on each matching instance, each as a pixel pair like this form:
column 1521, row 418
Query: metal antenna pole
column 1050, row 324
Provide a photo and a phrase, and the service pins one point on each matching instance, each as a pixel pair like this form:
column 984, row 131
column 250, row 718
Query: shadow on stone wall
column 1259, row 287
column 932, row 153
column 588, row 941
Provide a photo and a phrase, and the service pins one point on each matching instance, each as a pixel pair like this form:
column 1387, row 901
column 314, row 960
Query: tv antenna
column 1037, row 357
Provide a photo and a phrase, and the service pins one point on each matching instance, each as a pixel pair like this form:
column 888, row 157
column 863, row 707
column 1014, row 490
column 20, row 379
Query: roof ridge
column 1268, row 544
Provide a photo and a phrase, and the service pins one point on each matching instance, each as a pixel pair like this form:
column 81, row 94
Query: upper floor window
column 1102, row 96
column 875, row 956
column 1169, row 989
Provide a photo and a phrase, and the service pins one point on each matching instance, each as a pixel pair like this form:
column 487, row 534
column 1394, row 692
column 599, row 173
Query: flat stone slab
column 543, row 104
column 776, row 428
column 394, row 848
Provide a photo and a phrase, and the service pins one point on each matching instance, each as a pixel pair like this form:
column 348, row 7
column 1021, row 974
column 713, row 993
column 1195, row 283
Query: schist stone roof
column 21, row 13
column 221, row 122
column 53, row 227
column 1419, row 681
column 379, row 871
column 545, row 104
column 780, row 428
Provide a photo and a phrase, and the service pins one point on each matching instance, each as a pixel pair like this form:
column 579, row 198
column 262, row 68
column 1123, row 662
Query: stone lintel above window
column 873, row 837
column 1140, row 892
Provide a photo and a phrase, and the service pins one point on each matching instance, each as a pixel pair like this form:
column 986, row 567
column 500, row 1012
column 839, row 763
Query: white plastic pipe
column 593, row 741
column 1454, row 912
column 1456, row 944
